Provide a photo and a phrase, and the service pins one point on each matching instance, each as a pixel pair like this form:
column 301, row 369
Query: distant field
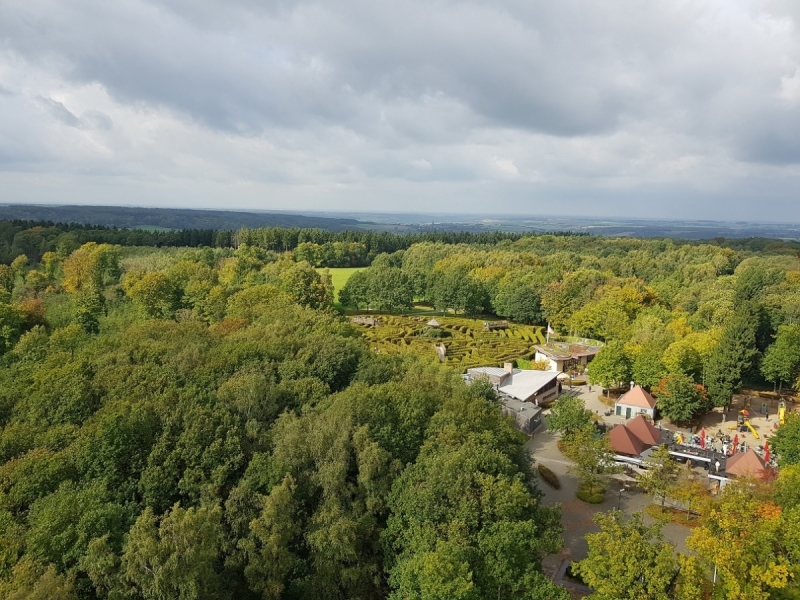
column 340, row 276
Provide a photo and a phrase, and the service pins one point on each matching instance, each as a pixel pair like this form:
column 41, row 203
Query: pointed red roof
column 637, row 397
column 745, row 463
column 623, row 441
column 644, row 430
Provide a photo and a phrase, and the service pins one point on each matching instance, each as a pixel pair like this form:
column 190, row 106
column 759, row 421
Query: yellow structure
column 741, row 421
column 782, row 412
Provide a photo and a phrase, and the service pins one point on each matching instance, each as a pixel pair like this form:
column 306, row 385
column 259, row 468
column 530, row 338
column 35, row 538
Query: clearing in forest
column 339, row 277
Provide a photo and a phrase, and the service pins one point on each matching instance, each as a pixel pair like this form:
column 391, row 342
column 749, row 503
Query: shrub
column 549, row 476
column 590, row 495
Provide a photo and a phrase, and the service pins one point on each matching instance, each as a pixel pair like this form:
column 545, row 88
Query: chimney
column 508, row 367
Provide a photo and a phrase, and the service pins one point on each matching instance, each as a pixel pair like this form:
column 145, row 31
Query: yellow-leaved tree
column 85, row 273
column 742, row 536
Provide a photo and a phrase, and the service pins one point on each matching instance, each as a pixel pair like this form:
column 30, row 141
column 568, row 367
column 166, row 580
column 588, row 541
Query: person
column 716, row 464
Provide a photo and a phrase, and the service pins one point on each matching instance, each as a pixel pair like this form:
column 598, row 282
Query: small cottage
column 635, row 402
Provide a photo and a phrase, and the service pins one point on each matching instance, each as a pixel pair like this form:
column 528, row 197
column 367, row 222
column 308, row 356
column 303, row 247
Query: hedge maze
column 468, row 345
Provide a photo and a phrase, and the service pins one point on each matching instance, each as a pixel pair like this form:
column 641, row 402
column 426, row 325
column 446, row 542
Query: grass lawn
column 339, row 277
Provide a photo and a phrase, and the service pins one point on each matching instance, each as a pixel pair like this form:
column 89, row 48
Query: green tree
column 681, row 357
column 176, row 556
column 89, row 307
column 156, row 294
column 733, row 356
column 680, row 399
column 6, row 278
column 11, row 326
column 355, row 291
column 63, row 523
column 306, row 286
column 785, row 442
column 269, row 549
column 781, row 362
column 86, row 271
column 569, row 414
column 628, row 560
column 456, row 290
column 518, row 297
column 661, row 475
column 446, row 544
column 647, row 368
column 592, row 455
column 561, row 299
column 389, row 289
column 610, row 368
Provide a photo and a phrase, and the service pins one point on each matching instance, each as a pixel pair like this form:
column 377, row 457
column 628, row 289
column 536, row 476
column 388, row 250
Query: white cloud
column 506, row 165
column 790, row 88
column 347, row 103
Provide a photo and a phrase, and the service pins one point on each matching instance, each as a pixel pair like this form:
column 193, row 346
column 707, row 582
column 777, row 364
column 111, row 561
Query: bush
column 436, row 334
column 549, row 477
column 590, row 495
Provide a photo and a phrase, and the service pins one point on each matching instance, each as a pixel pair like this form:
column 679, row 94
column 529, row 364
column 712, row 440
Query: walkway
column 576, row 516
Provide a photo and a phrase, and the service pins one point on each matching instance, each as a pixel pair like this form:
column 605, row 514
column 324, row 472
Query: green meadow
column 340, row 276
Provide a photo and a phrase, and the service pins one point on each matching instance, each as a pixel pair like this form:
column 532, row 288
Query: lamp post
column 619, row 500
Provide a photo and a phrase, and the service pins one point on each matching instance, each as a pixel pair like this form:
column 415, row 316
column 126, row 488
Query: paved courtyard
column 576, row 516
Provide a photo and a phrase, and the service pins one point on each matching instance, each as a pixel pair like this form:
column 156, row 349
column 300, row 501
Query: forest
column 198, row 423
column 691, row 321
column 203, row 423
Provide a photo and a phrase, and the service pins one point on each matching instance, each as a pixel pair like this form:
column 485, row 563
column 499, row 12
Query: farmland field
column 467, row 344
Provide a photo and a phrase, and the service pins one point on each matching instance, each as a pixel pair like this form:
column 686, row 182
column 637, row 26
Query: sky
column 685, row 109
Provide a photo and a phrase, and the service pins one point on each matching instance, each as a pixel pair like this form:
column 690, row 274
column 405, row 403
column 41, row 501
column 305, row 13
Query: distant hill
column 170, row 218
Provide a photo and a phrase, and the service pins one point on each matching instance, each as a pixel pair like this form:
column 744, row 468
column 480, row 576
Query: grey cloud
column 60, row 112
column 586, row 100
column 91, row 119
column 95, row 119
column 334, row 62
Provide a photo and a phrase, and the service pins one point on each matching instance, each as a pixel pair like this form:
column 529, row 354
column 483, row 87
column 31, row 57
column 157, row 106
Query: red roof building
column 635, row 402
column 745, row 464
column 644, row 430
column 624, row 441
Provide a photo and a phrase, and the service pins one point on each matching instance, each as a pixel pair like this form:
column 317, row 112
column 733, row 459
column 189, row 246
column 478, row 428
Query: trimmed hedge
column 549, row 477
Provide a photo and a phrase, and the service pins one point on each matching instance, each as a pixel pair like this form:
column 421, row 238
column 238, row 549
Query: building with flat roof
column 539, row 387
column 564, row 356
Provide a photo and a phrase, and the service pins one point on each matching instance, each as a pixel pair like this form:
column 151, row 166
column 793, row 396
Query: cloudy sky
column 674, row 108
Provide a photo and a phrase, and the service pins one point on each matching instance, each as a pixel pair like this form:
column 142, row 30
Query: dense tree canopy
column 219, row 432
column 201, row 423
